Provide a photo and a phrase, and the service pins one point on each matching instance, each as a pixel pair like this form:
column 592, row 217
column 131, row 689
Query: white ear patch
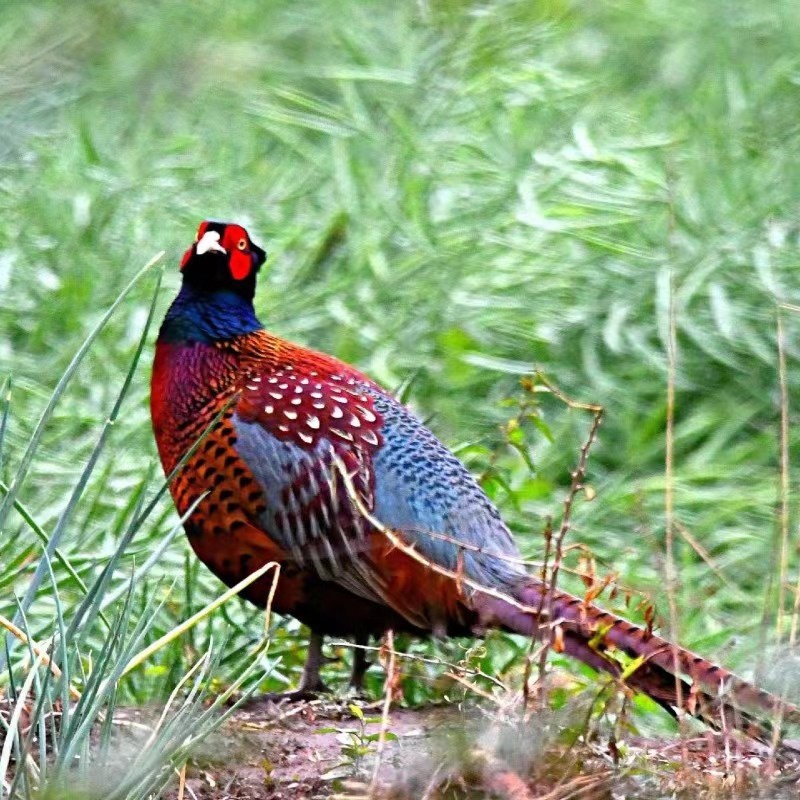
column 209, row 242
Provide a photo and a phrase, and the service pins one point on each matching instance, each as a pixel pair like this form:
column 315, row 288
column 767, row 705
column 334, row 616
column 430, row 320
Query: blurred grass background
column 460, row 192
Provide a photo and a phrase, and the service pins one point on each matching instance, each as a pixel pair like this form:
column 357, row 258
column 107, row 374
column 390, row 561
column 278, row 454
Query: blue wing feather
column 415, row 486
column 421, row 488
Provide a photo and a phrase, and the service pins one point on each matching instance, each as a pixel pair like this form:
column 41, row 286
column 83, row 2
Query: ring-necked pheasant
column 375, row 523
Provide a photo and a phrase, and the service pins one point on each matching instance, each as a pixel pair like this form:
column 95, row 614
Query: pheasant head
column 222, row 257
column 219, row 282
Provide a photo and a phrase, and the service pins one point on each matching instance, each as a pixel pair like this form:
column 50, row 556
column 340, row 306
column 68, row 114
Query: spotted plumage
column 376, row 525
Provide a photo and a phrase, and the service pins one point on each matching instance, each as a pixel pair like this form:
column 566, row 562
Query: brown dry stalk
column 669, row 494
column 576, row 485
column 784, row 485
column 388, row 692
column 542, row 653
column 182, row 781
column 472, row 687
column 38, row 651
column 555, row 545
column 580, row 786
column 785, row 449
column 439, row 662
column 784, row 515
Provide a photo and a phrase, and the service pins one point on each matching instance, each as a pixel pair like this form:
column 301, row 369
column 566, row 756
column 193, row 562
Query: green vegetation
column 455, row 193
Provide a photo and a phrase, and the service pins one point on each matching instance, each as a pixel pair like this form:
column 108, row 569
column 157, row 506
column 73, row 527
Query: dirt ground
column 329, row 749
column 310, row 751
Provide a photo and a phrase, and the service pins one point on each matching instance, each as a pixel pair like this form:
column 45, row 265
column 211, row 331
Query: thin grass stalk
column 33, row 444
column 39, row 716
column 784, row 474
column 179, row 746
column 200, row 665
column 670, row 570
column 195, row 618
column 29, row 520
column 107, row 726
column 388, row 692
column 102, row 681
column 163, row 544
column 11, row 741
column 23, row 637
column 64, row 686
column 72, row 503
column 5, row 399
column 36, row 716
column 84, row 713
column 115, row 652
column 785, row 484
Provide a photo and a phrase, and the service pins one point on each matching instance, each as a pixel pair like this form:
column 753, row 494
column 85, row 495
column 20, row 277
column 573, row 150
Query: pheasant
column 305, row 461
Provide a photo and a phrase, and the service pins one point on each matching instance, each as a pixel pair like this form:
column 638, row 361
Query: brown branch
column 388, row 692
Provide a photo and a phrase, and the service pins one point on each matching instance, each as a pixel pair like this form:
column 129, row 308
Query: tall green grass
column 460, row 192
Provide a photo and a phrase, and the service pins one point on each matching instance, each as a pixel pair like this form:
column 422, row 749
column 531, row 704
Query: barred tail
column 674, row 677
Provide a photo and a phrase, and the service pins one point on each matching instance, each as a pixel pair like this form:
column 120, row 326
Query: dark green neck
column 200, row 316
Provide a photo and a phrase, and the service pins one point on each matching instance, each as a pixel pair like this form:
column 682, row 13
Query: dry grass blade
column 12, row 734
column 38, row 650
column 388, row 692
column 148, row 651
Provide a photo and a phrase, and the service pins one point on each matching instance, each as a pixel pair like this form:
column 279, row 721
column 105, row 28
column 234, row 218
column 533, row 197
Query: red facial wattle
column 230, row 246
column 240, row 264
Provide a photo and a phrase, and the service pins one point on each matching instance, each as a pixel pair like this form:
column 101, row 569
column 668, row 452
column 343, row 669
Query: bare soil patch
column 447, row 752
column 322, row 749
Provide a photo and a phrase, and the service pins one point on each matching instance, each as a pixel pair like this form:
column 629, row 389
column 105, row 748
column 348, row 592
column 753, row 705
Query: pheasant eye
column 242, row 244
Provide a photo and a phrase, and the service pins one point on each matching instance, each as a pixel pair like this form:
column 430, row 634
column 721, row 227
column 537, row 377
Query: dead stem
column 181, row 781
column 785, row 456
column 471, row 687
column 388, row 692
column 38, row 651
column 669, row 494
column 580, row 786
column 784, row 516
column 555, row 544
column 477, row 673
column 529, row 656
column 784, row 485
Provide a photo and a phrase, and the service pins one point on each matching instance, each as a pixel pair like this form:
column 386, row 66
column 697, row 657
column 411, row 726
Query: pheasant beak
column 209, row 242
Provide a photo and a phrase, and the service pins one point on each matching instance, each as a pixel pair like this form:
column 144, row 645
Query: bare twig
column 555, row 544
column 580, row 786
column 784, row 517
column 477, row 673
column 529, row 656
column 39, row 651
column 182, row 781
column 388, row 692
column 669, row 488
column 784, row 485
column 471, row 686
column 785, row 456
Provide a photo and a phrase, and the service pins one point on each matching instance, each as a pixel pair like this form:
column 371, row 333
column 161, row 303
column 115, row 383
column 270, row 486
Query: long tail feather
column 674, row 677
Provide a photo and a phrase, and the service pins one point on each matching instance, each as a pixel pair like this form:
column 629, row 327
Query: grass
column 454, row 192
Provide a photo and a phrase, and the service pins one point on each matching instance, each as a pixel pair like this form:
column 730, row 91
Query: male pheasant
column 375, row 523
